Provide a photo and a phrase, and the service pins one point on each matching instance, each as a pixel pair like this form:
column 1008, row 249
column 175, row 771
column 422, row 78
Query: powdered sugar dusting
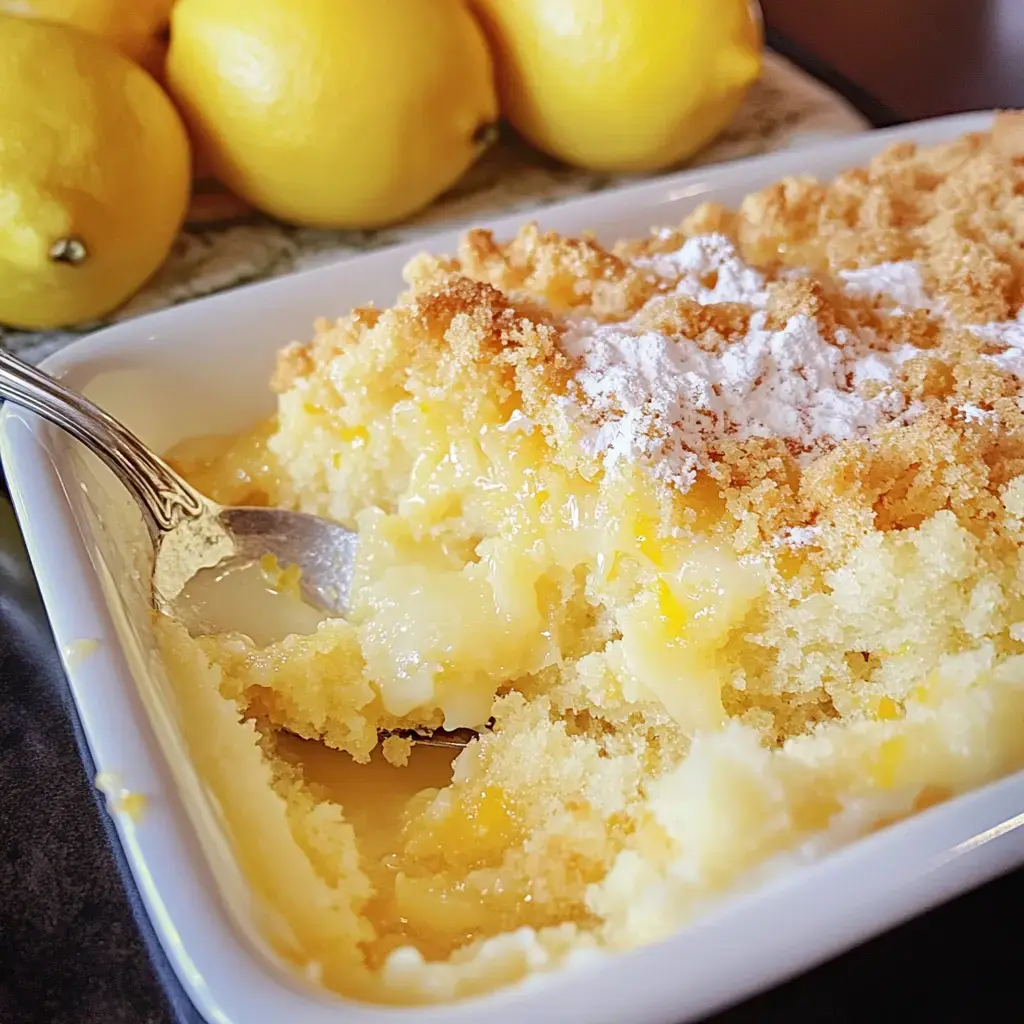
column 1009, row 361
column 974, row 414
column 879, row 366
column 797, row 537
column 668, row 402
column 899, row 283
column 518, row 423
column 708, row 270
column 1010, row 335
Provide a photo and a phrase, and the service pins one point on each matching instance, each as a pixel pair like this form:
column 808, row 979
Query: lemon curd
column 261, row 599
column 723, row 528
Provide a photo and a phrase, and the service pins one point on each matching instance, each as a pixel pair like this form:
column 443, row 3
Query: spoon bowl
column 322, row 551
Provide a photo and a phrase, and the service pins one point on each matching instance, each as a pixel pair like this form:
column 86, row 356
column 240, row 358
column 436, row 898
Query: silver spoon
column 190, row 532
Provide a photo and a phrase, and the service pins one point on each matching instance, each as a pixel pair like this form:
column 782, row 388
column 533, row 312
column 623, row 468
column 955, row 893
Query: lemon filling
column 723, row 528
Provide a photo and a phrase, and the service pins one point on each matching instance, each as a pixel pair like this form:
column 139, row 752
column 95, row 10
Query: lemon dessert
column 716, row 537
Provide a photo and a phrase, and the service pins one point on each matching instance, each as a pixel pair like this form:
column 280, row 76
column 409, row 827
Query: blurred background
column 922, row 57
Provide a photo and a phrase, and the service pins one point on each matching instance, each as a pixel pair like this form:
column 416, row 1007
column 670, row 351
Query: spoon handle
column 164, row 498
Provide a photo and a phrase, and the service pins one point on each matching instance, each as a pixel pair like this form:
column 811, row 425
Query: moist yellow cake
column 722, row 527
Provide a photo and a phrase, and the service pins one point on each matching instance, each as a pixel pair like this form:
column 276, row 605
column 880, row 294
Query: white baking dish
column 203, row 368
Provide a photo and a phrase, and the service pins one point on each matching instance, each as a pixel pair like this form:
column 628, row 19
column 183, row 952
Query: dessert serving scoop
column 190, row 532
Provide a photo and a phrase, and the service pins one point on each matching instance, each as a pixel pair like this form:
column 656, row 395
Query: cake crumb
column 119, row 798
column 77, row 651
column 396, row 750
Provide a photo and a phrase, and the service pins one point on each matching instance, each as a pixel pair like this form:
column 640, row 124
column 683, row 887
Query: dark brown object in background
column 921, row 58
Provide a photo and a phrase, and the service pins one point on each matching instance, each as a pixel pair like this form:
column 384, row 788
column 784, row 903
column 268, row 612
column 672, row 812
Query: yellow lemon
column 211, row 202
column 340, row 113
column 151, row 53
column 622, row 85
column 133, row 26
column 94, row 175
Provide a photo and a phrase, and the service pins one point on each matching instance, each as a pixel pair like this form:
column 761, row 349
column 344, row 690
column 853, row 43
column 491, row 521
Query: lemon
column 94, row 175
column 622, row 85
column 211, row 202
column 151, row 54
column 133, row 26
column 338, row 113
